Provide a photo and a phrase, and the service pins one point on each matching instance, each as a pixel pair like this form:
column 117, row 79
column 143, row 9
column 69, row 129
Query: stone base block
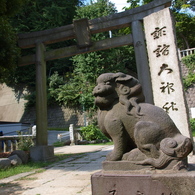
column 129, row 166
column 129, row 183
column 42, row 153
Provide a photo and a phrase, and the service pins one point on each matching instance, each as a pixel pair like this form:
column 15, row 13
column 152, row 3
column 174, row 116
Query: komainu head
column 118, row 87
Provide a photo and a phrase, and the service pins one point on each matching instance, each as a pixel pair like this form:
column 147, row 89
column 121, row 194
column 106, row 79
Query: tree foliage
column 77, row 91
column 176, row 5
column 95, row 10
column 39, row 15
column 185, row 22
column 9, row 52
column 71, row 81
column 92, row 132
column 185, row 25
column 189, row 79
column 9, row 8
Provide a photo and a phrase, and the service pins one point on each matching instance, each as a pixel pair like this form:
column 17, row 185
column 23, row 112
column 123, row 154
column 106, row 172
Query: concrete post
column 142, row 60
column 41, row 96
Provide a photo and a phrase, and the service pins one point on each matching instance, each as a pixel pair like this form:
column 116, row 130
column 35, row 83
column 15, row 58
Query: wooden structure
column 81, row 31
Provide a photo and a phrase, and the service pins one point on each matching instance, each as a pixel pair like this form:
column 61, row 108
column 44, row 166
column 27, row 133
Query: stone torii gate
column 81, row 30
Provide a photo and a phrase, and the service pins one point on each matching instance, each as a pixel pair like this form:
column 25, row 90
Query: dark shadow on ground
column 81, row 163
column 90, row 161
column 10, row 188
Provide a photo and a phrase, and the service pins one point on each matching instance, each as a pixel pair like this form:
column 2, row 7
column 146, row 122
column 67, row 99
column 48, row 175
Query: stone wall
column 58, row 116
column 12, row 107
column 13, row 110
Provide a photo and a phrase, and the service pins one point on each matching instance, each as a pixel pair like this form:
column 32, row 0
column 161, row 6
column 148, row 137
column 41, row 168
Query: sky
column 119, row 4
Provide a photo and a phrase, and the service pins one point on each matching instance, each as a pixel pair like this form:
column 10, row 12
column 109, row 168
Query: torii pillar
column 41, row 152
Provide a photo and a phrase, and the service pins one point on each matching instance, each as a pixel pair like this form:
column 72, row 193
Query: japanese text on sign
column 163, row 50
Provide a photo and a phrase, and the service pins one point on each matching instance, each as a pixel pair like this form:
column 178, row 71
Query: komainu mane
column 142, row 133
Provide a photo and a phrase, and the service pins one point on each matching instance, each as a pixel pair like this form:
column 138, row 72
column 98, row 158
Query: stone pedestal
column 143, row 183
column 42, row 153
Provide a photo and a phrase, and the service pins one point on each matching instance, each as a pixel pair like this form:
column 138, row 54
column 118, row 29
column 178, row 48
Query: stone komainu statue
column 142, row 133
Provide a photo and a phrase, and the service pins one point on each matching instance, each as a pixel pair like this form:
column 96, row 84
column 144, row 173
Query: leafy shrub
column 192, row 124
column 189, row 61
column 25, row 142
column 189, row 80
column 58, row 144
column 92, row 132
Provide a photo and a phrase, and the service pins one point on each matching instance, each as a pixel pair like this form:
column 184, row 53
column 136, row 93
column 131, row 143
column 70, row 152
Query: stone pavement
column 67, row 177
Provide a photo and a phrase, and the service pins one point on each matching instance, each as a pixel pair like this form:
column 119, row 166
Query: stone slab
column 134, row 183
column 42, row 153
column 165, row 70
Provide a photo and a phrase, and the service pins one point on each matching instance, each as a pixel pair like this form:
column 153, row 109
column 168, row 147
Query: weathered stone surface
column 165, row 68
column 21, row 154
column 129, row 183
column 130, row 165
column 5, row 163
column 15, row 160
column 142, row 133
column 42, row 153
column 58, row 116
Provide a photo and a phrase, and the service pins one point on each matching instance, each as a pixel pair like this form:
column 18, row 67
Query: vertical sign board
column 164, row 68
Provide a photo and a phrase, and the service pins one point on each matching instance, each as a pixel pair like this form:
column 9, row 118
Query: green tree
column 177, row 5
column 189, row 79
column 185, row 22
column 39, row 15
column 77, row 91
column 95, row 9
column 185, row 25
column 9, row 52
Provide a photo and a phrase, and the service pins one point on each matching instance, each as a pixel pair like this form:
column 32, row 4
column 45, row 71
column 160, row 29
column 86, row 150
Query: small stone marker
column 164, row 68
column 71, row 131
